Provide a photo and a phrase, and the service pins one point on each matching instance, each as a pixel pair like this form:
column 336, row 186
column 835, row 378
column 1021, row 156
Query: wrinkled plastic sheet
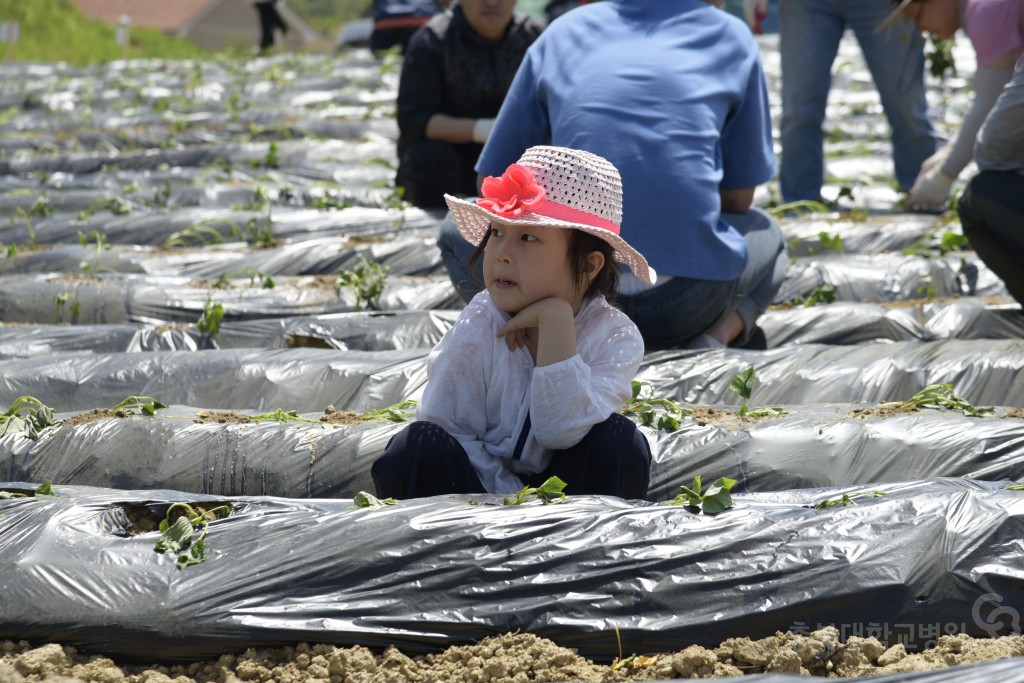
column 172, row 450
column 889, row 277
column 876, row 235
column 830, row 445
column 363, row 330
column 409, row 253
column 359, row 330
column 303, row 379
column 591, row 572
column 987, row 372
column 855, row 323
column 809, row 446
column 228, row 224
column 108, row 299
column 982, row 372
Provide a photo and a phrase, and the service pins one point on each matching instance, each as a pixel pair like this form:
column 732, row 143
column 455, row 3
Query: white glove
column 482, row 129
column 931, row 189
column 754, row 11
column 935, row 161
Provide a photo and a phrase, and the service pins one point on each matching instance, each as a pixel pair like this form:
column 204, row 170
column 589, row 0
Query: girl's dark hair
column 581, row 243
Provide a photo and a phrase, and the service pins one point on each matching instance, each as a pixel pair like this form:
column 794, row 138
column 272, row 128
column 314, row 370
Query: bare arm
column 736, row 201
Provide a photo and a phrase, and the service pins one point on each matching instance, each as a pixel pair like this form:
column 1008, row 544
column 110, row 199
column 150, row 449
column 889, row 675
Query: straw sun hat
column 553, row 187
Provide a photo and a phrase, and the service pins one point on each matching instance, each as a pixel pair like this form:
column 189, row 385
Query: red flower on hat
column 514, row 193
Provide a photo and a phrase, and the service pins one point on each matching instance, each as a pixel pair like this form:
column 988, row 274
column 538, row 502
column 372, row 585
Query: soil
column 729, row 420
column 514, row 658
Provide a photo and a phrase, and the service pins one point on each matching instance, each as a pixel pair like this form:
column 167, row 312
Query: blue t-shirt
column 670, row 91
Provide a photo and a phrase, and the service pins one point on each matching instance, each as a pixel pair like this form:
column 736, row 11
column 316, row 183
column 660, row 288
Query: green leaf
column 368, row 500
column 175, row 537
column 548, row 492
column 743, row 383
column 718, row 497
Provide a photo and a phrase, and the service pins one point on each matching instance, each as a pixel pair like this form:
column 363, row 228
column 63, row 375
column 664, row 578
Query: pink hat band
column 561, row 212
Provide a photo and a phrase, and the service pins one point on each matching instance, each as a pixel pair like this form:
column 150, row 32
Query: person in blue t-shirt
column 673, row 94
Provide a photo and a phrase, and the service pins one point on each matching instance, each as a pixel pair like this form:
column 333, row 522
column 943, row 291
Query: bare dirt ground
column 515, row 658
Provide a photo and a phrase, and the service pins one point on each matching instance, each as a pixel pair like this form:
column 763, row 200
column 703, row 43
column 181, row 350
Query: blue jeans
column 676, row 312
column 809, row 35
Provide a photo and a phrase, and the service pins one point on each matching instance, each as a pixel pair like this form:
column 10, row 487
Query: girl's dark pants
column 423, row 459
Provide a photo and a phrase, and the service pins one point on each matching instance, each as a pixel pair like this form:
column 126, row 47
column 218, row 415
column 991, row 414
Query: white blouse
column 482, row 393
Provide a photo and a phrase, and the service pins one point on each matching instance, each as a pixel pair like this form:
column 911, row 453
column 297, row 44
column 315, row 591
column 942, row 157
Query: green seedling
column 834, row 242
column 619, row 661
column 798, row 208
column 60, row 301
column 658, row 413
column 939, row 396
column 846, row 500
column 45, row 491
column 825, row 294
column 29, row 417
column 136, row 405
column 280, row 415
column 260, row 231
column 328, row 202
column 161, row 197
column 209, row 321
column 743, row 384
column 92, row 267
column 185, row 534
column 272, row 158
column 198, row 234
column 941, row 240
column 715, row 500
column 1015, row 487
column 367, row 280
column 115, row 205
column 25, row 216
column 266, row 282
column 398, row 412
column 368, row 500
column 548, row 492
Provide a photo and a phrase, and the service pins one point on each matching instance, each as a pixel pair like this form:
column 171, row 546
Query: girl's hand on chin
column 534, row 317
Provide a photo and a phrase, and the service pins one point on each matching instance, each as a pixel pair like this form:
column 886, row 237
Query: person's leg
column 766, row 268
column 992, row 213
column 613, row 459
column 809, row 34
column 424, row 460
column 427, row 170
column 675, row 313
column 895, row 57
column 455, row 254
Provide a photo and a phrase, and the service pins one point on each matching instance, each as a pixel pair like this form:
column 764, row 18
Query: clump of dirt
column 221, row 417
column 1016, row 413
column 340, row 417
column 94, row 415
column 729, row 420
column 516, row 658
column 883, row 410
column 330, row 416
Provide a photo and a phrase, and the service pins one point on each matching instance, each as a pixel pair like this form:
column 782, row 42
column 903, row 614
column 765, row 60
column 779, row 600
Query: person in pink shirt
column 996, row 31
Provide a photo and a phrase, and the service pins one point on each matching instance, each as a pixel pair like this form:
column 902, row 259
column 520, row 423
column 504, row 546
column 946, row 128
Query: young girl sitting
column 528, row 382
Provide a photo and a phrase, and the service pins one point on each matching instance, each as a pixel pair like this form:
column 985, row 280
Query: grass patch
column 55, row 31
